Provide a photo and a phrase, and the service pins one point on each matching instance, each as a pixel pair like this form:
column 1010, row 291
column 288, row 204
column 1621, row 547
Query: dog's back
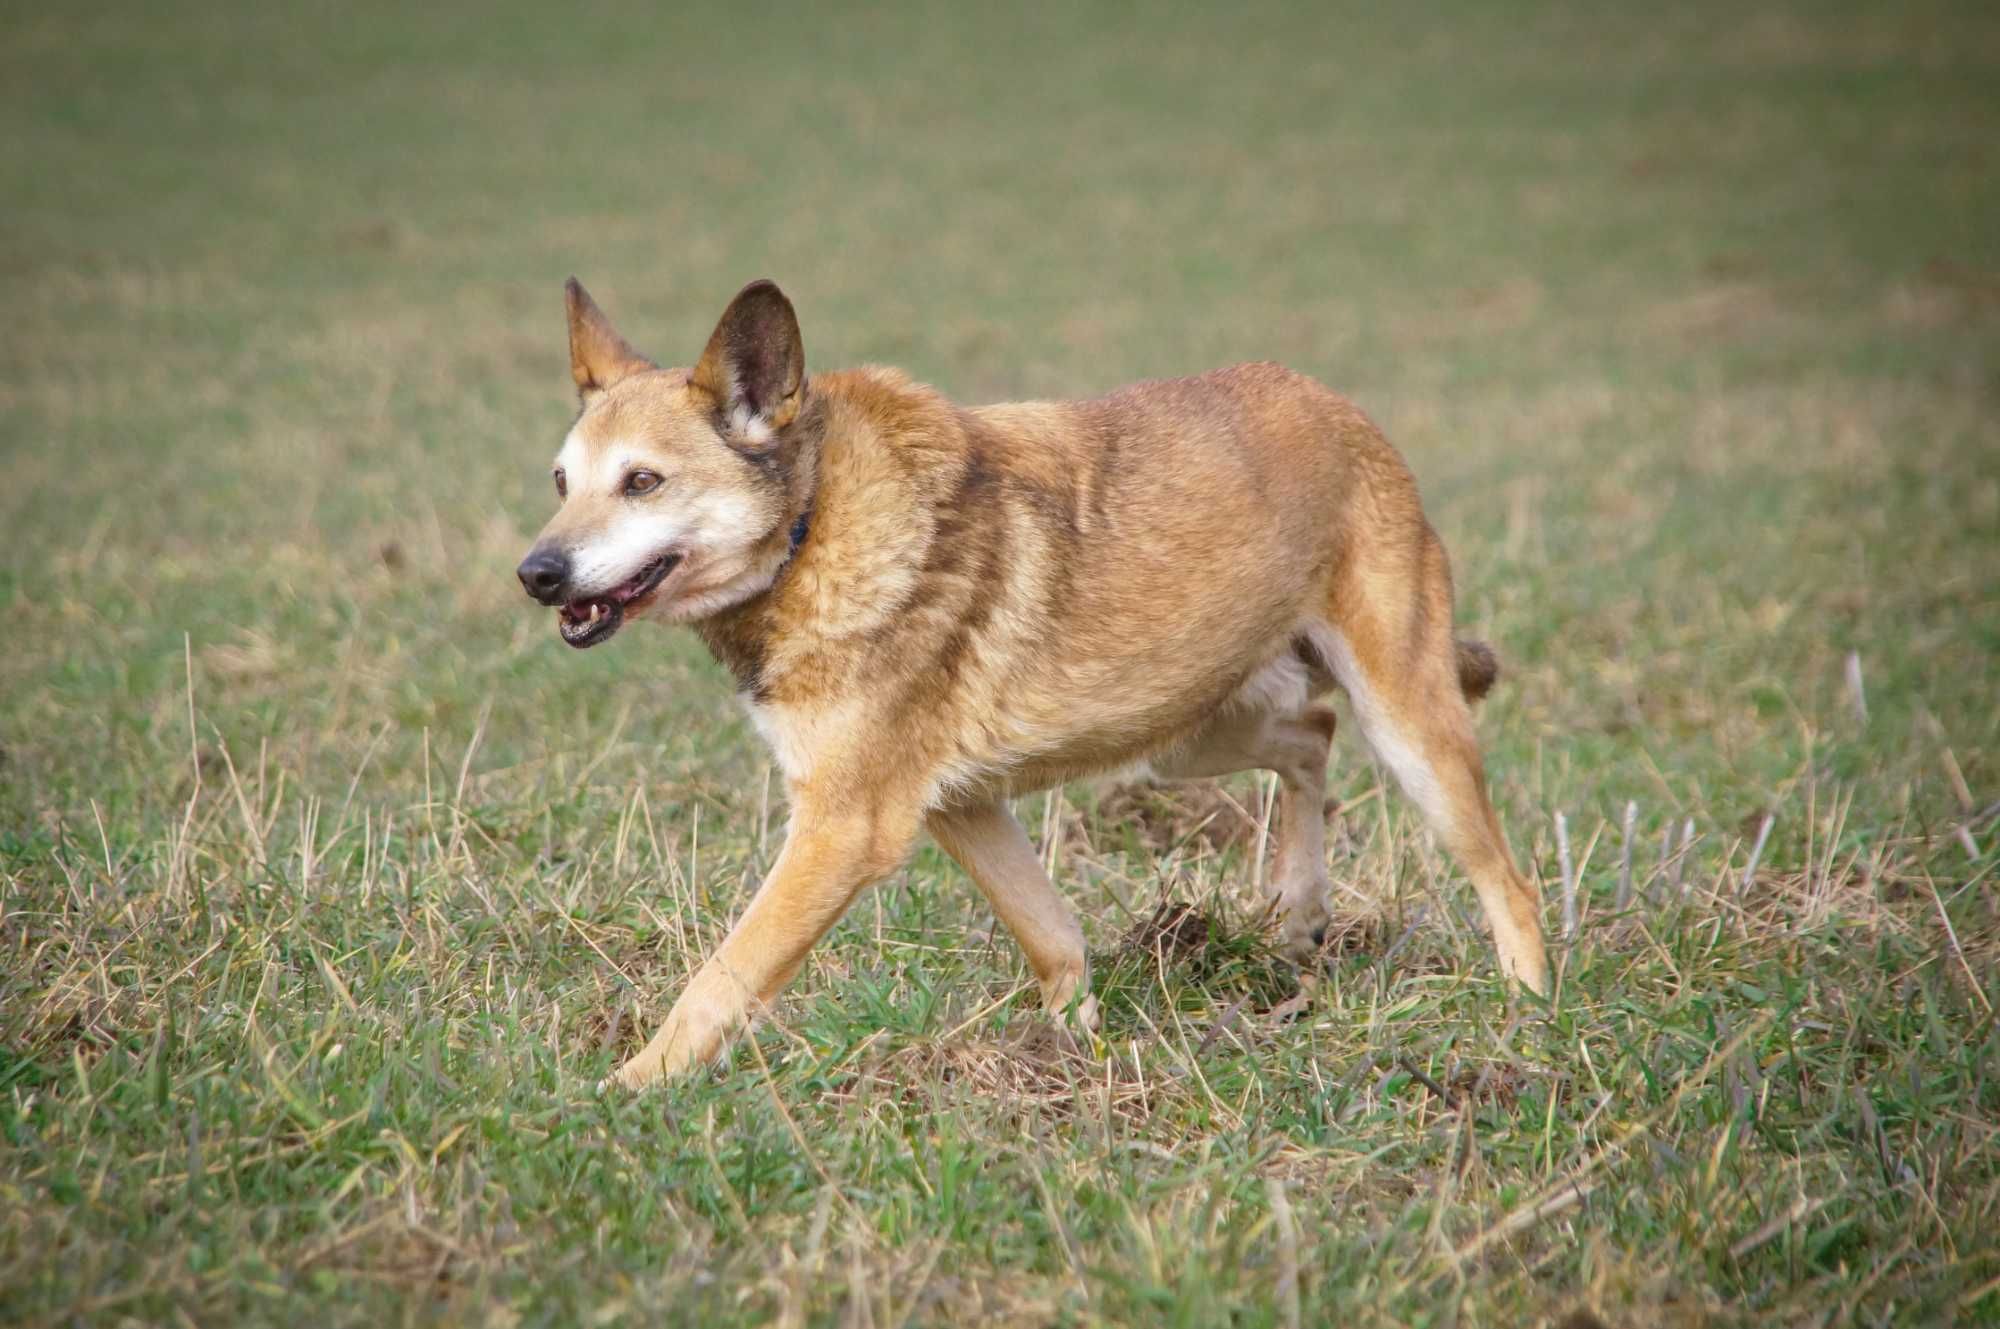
column 1039, row 590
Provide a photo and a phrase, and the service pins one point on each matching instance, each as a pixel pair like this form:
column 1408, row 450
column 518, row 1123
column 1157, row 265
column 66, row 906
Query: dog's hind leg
column 1388, row 640
column 995, row 852
column 1270, row 725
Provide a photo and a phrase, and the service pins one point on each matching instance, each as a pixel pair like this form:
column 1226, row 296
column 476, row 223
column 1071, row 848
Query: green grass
column 330, row 882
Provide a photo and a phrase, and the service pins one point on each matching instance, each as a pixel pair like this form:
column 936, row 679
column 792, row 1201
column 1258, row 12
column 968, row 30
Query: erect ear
column 598, row 356
column 755, row 364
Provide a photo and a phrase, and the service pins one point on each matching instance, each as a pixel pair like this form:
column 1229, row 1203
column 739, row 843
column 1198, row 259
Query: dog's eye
column 641, row 482
column 562, row 484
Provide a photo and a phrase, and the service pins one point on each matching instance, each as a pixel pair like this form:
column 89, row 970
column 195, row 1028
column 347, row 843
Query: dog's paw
column 696, row 1032
column 1334, row 934
column 1302, row 929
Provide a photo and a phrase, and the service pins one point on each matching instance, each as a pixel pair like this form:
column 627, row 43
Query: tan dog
column 930, row 610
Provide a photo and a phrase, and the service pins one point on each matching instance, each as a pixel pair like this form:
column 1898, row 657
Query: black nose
column 543, row 573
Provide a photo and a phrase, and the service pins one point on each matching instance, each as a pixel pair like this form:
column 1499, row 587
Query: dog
column 930, row 609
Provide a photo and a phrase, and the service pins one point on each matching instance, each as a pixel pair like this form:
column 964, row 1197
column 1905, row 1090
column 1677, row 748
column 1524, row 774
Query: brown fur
column 1478, row 668
column 991, row 601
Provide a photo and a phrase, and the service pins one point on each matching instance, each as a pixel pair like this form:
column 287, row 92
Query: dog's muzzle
column 544, row 574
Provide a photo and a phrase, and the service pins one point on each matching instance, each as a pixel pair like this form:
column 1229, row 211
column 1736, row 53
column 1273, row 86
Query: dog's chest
column 801, row 737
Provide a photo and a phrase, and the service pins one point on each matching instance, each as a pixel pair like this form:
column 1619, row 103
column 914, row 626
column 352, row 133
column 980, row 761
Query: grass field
column 330, row 882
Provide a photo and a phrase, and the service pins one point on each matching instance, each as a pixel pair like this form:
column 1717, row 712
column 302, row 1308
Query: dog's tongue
column 611, row 602
column 586, row 622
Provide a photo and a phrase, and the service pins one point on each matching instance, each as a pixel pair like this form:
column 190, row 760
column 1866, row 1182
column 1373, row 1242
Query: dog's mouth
column 588, row 622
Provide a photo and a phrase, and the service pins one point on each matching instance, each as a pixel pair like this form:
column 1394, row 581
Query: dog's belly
column 1085, row 702
column 1139, row 594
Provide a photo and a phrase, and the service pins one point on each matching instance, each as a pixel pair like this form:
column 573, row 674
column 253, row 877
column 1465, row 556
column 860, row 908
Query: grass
column 330, row 882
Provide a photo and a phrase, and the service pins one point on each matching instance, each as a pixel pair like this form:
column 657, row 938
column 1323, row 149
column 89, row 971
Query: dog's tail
column 1477, row 668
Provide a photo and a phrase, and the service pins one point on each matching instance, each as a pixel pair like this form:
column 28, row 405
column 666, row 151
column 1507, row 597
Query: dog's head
column 675, row 484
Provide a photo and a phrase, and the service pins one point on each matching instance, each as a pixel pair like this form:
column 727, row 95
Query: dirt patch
column 1175, row 931
column 1497, row 1083
column 1042, row 1069
column 1164, row 817
column 1181, row 943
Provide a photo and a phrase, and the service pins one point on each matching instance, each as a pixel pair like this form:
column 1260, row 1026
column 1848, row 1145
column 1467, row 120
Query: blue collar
column 800, row 529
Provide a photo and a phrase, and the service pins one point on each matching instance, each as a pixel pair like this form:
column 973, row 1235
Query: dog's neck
column 802, row 467
column 801, row 528
column 736, row 633
column 875, row 455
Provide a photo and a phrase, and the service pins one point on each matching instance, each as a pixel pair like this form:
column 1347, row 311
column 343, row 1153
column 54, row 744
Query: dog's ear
column 598, row 356
column 755, row 365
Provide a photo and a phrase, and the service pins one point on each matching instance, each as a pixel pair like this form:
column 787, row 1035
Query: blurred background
column 1686, row 319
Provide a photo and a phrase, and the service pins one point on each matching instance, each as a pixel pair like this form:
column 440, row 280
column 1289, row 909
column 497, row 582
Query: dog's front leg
column 828, row 858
